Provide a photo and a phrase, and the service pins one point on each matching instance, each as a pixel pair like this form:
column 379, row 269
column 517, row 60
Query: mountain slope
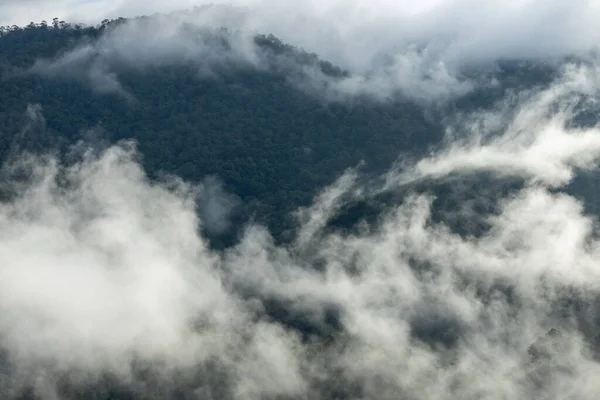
column 272, row 144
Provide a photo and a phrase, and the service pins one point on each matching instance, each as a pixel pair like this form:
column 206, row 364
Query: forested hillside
column 272, row 143
column 413, row 225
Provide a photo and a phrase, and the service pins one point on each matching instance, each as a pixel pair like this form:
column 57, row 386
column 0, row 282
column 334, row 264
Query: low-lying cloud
column 418, row 49
column 530, row 135
column 106, row 281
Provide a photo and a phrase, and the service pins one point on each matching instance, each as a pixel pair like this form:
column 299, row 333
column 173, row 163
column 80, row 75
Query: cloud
column 420, row 49
column 216, row 205
column 116, row 272
column 107, row 282
column 535, row 144
column 142, row 44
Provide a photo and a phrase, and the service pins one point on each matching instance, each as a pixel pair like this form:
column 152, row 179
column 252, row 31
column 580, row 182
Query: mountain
column 406, row 231
column 272, row 142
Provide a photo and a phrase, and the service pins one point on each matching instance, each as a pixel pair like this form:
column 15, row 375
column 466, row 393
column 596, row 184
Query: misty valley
column 194, row 206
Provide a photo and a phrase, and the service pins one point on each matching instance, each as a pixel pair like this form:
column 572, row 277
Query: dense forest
column 271, row 143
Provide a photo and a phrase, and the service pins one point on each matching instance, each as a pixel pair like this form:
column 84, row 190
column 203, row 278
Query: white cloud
column 387, row 45
column 536, row 143
column 108, row 269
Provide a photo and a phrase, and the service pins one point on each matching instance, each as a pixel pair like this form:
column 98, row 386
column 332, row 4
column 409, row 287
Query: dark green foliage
column 272, row 144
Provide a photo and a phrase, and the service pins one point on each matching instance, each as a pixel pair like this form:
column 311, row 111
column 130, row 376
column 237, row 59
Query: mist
column 108, row 281
column 420, row 51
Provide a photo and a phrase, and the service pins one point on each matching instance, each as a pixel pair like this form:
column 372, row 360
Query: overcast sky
column 24, row 11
